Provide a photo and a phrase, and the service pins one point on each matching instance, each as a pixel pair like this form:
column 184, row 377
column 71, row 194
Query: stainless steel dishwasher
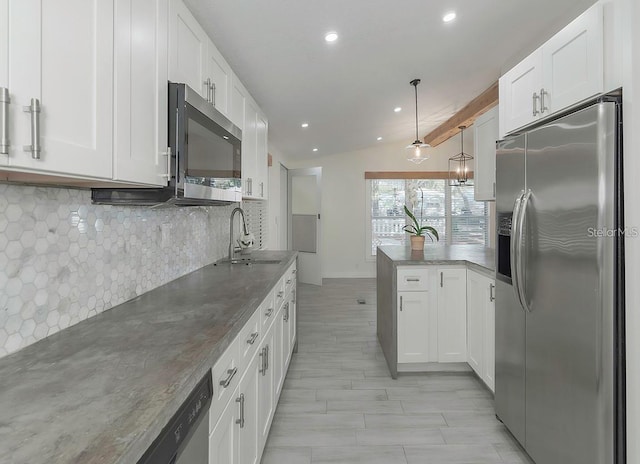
column 185, row 439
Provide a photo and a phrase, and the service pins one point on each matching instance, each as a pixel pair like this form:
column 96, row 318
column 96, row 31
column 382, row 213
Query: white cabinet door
column 266, row 386
column 293, row 314
column 489, row 334
column 262, row 173
column 452, row 314
column 5, row 83
column 413, row 325
column 219, row 72
column 250, row 150
column 66, row 62
column 141, row 89
column 187, row 49
column 286, row 340
column 238, row 97
column 485, row 130
column 248, row 425
column 279, row 372
column 223, row 440
column 475, row 321
column 519, row 93
column 572, row 62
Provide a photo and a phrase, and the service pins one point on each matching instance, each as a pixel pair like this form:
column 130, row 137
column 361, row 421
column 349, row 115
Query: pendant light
column 459, row 164
column 417, row 150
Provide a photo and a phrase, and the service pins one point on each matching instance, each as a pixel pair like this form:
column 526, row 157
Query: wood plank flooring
column 339, row 404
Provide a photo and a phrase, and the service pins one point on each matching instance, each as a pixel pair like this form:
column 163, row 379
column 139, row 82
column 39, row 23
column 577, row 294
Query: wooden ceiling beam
column 465, row 117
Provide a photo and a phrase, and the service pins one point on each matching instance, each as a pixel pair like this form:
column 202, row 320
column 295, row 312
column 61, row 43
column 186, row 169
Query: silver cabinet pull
column 441, row 279
column 491, row 292
column 263, row 366
column 212, row 86
column 207, row 87
column 34, row 109
column 252, row 339
column 280, row 294
column 262, row 189
column 269, row 312
column 5, row 99
column 294, row 271
column 288, row 281
column 400, row 303
column 543, row 107
column 412, row 279
column 168, row 155
column 286, row 312
column 240, row 400
column 267, row 357
column 230, row 373
column 535, row 104
column 293, row 301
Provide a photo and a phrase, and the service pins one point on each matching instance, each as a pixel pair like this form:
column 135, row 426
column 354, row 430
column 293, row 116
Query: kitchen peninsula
column 431, row 313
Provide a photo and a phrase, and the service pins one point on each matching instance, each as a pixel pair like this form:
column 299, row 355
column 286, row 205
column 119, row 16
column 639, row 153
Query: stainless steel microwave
column 205, row 158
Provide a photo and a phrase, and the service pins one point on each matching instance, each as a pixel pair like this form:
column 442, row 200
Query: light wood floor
column 339, row 404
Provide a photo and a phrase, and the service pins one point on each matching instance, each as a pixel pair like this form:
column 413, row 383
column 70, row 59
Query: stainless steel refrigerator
column 559, row 288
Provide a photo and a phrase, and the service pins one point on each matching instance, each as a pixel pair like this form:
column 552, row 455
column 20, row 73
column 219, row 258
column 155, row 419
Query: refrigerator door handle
column 513, row 245
column 520, row 262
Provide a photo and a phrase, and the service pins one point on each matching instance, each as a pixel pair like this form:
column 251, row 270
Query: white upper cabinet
column 219, row 76
column 485, row 130
column 262, row 154
column 141, row 92
column 62, row 63
column 249, row 149
column 566, row 70
column 188, row 45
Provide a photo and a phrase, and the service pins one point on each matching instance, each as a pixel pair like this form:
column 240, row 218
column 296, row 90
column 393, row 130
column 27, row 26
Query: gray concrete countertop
column 102, row 390
column 477, row 257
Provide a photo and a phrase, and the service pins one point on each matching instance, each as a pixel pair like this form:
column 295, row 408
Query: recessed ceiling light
column 315, row 149
column 331, row 36
column 397, row 109
column 226, row 137
column 305, row 125
column 449, row 17
column 379, row 138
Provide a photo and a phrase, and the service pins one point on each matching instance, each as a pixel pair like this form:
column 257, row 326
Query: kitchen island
column 440, row 317
column 102, row 390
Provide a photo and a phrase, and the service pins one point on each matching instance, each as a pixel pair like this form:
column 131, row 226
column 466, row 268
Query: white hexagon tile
column 63, row 260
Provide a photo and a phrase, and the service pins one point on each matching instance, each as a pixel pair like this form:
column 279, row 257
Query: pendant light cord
column 416, row 89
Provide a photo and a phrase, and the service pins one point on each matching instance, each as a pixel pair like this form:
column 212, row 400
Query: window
column 451, row 210
column 256, row 215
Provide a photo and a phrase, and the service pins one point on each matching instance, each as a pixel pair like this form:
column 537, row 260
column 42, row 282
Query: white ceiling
column 347, row 90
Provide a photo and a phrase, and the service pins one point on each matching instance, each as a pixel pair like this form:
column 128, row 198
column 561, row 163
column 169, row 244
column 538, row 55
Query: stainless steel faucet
column 232, row 248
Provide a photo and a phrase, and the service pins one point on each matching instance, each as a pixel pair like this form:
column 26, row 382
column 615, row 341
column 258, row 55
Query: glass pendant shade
column 459, row 165
column 417, row 151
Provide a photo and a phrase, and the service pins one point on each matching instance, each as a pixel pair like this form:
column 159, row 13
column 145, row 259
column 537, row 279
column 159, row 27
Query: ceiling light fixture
column 417, row 150
column 449, row 17
column 331, row 37
column 305, row 125
column 315, row 149
column 458, row 164
column 397, row 109
column 379, row 138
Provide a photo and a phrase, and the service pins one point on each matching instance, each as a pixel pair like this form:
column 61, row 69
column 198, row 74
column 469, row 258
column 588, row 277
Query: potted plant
column 418, row 232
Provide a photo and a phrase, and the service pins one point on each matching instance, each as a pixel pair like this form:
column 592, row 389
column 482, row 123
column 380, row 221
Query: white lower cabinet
column 413, row 323
column 240, row 420
column 481, row 326
column 452, row 314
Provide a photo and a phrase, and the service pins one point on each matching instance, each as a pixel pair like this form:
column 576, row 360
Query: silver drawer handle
column 5, row 99
column 252, row 338
column 543, row 107
column 269, row 312
column 280, row 294
column 412, row 279
column 226, row 382
column 34, row 110
column 535, row 97
column 294, row 271
column 286, row 313
column 491, row 292
column 288, row 281
column 263, row 365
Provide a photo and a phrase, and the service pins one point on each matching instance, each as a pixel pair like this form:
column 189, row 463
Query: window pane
column 468, row 217
column 426, row 199
column 387, row 213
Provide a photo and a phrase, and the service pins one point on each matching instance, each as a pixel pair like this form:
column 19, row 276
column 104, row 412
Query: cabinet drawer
column 226, row 375
column 413, row 279
column 249, row 339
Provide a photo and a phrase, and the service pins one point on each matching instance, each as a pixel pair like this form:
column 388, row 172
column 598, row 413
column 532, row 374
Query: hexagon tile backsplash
column 63, row 260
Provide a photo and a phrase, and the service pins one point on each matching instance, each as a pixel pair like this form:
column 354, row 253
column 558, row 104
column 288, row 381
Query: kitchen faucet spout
column 232, row 248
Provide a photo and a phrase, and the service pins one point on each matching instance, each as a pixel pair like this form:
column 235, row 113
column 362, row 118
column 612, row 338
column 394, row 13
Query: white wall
column 277, row 218
column 344, row 198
